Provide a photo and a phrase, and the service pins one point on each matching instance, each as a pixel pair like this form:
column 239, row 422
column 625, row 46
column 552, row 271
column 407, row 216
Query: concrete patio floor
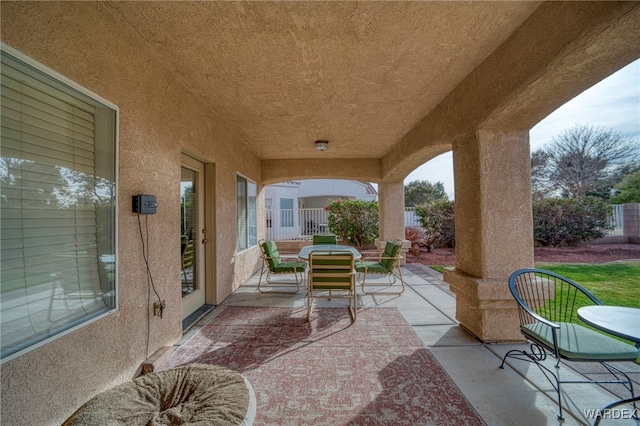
column 516, row 395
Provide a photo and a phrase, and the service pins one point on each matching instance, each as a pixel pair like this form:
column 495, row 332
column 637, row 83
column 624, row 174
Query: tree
column 354, row 221
column 438, row 217
column 628, row 190
column 583, row 161
column 421, row 192
column 540, row 182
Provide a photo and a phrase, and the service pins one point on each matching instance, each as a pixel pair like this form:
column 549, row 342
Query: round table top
column 617, row 320
column 304, row 252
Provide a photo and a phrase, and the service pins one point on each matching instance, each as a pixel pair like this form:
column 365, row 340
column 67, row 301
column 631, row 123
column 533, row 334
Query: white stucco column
column 391, row 214
column 493, row 230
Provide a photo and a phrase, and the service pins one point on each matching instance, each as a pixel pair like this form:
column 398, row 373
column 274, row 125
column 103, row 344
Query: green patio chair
column 273, row 263
column 325, row 239
column 547, row 308
column 386, row 264
column 331, row 272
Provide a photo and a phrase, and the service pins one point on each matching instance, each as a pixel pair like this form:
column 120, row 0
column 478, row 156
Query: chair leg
column 298, row 280
column 392, row 280
column 538, row 354
column 354, row 307
column 401, row 278
column 364, row 277
column 309, row 302
column 260, row 279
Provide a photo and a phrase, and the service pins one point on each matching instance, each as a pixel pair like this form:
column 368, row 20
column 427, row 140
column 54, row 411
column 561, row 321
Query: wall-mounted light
column 322, row 145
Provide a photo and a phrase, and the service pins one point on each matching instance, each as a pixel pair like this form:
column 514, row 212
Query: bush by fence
column 561, row 222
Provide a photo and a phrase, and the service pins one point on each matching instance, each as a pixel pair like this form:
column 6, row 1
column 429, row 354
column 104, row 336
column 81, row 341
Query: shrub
column 438, row 217
column 354, row 221
column 561, row 222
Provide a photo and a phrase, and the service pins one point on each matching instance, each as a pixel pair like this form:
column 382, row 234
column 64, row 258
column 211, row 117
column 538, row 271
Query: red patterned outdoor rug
column 329, row 371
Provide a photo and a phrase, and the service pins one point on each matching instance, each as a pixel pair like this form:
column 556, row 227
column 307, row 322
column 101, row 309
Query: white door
column 193, row 235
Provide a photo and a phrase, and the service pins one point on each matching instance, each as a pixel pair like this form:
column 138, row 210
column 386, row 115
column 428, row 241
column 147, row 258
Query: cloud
column 614, row 103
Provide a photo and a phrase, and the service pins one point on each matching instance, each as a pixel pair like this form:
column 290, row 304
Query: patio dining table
column 327, row 248
column 622, row 322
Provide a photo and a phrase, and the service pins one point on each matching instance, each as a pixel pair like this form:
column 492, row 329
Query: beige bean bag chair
column 195, row 394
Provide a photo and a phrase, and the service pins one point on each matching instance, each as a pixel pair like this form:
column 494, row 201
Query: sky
column 614, row 103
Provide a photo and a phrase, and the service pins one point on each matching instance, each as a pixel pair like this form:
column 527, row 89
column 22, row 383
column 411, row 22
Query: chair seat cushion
column 289, row 267
column 371, row 267
column 196, row 394
column 580, row 343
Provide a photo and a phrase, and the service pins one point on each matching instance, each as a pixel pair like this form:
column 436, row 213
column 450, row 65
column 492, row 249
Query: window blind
column 54, row 273
column 252, row 214
column 241, row 213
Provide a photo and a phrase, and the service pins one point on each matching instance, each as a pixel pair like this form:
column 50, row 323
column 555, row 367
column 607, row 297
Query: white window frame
column 248, row 214
column 56, row 79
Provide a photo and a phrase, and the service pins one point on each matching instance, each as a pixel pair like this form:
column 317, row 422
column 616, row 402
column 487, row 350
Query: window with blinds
column 57, row 211
column 246, row 213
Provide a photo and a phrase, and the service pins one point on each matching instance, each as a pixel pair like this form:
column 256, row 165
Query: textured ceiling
column 360, row 74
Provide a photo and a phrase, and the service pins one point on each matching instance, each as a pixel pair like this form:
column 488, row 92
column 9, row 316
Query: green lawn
column 616, row 283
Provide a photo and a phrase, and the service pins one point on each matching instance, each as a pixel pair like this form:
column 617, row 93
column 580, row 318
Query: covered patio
column 231, row 96
column 518, row 394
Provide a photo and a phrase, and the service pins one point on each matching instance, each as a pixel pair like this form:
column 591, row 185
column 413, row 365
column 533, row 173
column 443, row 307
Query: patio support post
column 391, row 215
column 493, row 230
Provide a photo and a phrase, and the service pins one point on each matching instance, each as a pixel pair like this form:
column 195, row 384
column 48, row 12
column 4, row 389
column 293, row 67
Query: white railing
column 295, row 225
column 301, row 224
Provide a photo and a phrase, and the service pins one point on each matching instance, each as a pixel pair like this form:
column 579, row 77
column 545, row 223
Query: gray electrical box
column 145, row 204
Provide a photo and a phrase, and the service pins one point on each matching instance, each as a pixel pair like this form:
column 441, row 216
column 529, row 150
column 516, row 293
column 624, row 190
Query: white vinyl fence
column 301, row 224
column 296, row 224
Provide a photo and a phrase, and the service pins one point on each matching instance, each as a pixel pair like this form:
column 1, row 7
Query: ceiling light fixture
column 322, row 145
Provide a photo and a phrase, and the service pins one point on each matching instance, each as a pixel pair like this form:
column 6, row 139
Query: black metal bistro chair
column 547, row 305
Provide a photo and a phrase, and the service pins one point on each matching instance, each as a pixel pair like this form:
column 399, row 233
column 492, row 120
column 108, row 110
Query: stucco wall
column 159, row 119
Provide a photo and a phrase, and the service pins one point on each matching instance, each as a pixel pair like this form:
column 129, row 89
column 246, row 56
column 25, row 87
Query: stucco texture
column 159, row 119
column 246, row 87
